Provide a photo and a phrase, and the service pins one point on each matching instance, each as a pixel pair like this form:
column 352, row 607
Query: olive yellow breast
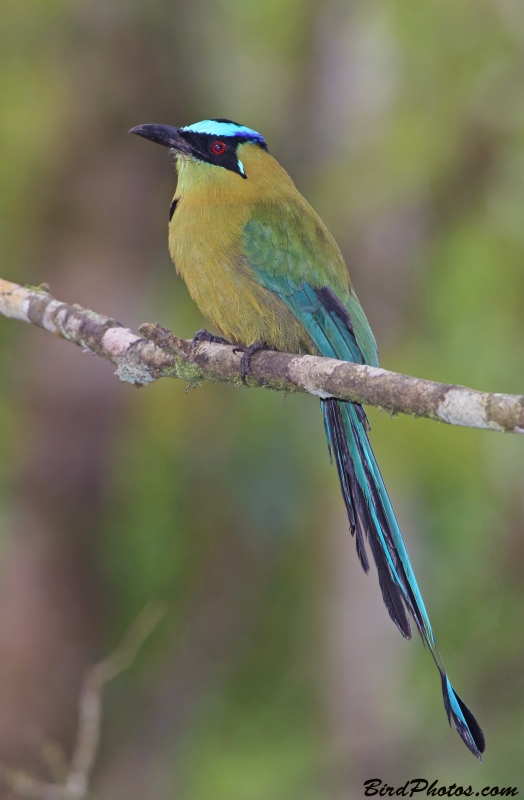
column 205, row 235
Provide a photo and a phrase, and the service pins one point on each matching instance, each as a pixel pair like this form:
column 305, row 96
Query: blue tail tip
column 465, row 723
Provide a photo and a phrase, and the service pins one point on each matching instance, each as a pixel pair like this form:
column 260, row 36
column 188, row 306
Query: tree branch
column 72, row 781
column 158, row 353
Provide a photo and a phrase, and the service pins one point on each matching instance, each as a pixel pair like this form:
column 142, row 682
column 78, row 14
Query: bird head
column 215, row 142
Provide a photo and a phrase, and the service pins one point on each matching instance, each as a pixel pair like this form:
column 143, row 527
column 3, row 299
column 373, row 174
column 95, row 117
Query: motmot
column 263, row 268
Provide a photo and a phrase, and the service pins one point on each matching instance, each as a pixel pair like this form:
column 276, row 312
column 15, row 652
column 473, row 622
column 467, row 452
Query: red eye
column 218, row 148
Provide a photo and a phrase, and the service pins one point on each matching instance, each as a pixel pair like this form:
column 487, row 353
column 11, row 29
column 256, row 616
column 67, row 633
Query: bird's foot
column 204, row 336
column 247, row 353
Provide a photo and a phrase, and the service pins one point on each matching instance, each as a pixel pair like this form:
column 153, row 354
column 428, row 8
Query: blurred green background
column 276, row 674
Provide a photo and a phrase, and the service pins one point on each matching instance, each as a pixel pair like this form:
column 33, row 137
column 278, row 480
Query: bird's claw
column 204, row 336
column 247, row 353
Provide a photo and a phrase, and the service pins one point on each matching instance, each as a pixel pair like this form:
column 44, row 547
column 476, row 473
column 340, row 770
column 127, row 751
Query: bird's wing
column 304, row 267
column 299, row 262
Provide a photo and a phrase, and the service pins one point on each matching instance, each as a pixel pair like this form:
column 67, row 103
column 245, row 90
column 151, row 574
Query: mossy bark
column 160, row 354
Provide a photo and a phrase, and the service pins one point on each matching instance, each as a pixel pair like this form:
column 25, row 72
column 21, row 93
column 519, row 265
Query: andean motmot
column 263, row 268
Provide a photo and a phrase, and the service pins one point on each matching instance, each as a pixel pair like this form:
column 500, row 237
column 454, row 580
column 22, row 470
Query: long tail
column 371, row 518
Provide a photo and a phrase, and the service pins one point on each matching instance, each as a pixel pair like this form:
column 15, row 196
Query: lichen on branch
column 158, row 353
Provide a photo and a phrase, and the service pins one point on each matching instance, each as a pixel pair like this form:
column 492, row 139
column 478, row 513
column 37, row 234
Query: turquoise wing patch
column 289, row 266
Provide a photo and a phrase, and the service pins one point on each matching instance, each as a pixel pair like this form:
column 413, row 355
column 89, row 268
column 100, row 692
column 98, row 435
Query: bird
column 263, row 268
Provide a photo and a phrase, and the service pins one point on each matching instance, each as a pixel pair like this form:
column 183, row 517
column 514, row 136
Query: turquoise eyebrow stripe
column 213, row 128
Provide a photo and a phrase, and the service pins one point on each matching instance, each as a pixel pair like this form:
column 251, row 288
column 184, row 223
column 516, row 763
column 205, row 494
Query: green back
column 293, row 255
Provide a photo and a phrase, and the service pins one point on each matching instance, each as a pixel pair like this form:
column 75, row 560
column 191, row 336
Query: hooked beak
column 164, row 135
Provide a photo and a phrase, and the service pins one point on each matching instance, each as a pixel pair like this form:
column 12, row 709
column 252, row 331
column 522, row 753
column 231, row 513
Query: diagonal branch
column 159, row 354
column 72, row 781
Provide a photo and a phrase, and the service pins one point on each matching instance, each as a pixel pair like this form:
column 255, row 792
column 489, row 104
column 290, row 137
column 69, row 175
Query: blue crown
column 225, row 127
